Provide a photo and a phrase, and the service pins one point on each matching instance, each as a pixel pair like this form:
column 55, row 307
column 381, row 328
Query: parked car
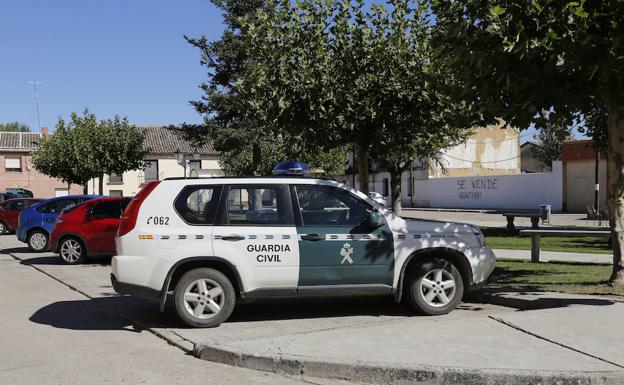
column 9, row 212
column 36, row 222
column 6, row 195
column 88, row 229
column 212, row 241
column 20, row 192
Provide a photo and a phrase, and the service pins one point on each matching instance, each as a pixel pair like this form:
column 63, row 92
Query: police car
column 205, row 243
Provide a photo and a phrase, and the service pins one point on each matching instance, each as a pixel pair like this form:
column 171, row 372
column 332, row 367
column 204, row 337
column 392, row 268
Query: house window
column 114, row 178
column 151, row 170
column 13, row 164
column 116, row 193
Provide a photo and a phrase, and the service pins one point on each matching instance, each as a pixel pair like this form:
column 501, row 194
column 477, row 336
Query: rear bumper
column 134, row 290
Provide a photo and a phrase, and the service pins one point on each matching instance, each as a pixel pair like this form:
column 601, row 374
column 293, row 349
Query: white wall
column 520, row 191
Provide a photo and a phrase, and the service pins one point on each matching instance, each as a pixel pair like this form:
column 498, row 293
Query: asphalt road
column 52, row 334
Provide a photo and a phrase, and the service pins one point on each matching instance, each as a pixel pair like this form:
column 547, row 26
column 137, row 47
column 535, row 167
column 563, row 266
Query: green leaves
column 84, row 149
column 497, row 10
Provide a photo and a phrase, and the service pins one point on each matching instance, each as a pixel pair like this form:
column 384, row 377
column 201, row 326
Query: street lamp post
column 183, row 158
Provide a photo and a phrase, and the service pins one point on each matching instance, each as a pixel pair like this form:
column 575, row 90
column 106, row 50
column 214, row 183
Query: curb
column 385, row 374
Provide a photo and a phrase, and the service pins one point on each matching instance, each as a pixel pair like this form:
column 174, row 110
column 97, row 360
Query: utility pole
column 36, row 98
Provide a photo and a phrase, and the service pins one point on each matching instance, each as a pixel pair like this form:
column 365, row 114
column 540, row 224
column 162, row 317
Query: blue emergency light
column 291, row 169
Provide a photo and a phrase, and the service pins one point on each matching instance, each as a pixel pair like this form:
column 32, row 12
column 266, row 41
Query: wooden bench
column 537, row 234
column 535, row 218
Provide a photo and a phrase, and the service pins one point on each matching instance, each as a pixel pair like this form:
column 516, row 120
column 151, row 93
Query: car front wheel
column 3, row 228
column 204, row 298
column 435, row 287
column 37, row 241
column 72, row 251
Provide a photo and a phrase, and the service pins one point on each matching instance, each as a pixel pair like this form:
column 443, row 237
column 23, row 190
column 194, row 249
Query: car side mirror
column 375, row 219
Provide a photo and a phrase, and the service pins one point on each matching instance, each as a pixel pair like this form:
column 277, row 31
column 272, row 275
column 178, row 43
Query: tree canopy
column 247, row 145
column 337, row 73
column 14, row 127
column 85, row 148
column 520, row 60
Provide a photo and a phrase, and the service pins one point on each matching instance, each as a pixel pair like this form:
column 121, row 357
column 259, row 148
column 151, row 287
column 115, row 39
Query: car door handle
column 232, row 238
column 312, row 237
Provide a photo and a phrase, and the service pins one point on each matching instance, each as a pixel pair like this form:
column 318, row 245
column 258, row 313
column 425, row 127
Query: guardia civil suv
column 206, row 243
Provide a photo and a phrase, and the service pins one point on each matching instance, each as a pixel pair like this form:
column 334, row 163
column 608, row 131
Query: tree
column 56, row 156
column 593, row 123
column 84, row 149
column 246, row 146
column 14, row 127
column 520, row 59
column 335, row 74
column 551, row 137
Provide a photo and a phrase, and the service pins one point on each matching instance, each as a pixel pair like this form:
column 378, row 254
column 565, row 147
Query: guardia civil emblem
column 346, row 252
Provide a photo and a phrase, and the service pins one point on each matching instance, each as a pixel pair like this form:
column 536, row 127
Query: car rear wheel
column 37, row 241
column 3, row 228
column 435, row 287
column 72, row 251
column 204, row 298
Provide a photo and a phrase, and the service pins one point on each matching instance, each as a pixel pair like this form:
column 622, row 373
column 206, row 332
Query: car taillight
column 129, row 216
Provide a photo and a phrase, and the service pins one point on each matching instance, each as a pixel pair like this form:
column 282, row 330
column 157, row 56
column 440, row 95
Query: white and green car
column 205, row 243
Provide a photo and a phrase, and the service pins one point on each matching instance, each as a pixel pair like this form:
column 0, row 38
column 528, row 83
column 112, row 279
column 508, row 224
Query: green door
column 336, row 246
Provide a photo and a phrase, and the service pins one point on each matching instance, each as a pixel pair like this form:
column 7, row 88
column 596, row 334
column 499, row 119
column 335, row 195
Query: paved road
column 51, row 334
column 66, row 328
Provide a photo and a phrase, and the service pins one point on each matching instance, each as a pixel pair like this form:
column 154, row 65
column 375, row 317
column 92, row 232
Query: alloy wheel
column 71, row 250
column 38, row 241
column 437, row 287
column 204, row 298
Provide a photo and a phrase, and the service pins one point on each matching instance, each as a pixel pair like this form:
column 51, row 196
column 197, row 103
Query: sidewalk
column 548, row 346
column 548, row 256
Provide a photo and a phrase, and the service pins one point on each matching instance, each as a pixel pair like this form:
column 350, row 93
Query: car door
column 336, row 245
column 255, row 229
column 101, row 224
column 13, row 210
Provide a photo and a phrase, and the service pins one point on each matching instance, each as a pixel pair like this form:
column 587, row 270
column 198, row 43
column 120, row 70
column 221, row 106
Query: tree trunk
column 85, row 188
column 615, row 187
column 395, row 189
column 101, row 184
column 256, row 158
column 362, row 165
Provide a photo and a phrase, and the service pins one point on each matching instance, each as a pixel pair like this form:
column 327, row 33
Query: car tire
column 3, row 229
column 37, row 241
column 435, row 287
column 204, row 298
column 72, row 251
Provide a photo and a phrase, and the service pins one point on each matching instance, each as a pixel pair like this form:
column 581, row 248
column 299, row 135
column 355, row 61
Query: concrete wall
column 491, row 150
column 41, row 185
column 580, row 182
column 513, row 192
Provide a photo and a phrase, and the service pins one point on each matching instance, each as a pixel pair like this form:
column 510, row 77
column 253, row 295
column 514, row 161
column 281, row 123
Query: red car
column 9, row 212
column 87, row 229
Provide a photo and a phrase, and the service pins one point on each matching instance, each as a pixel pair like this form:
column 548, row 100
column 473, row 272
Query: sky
column 125, row 57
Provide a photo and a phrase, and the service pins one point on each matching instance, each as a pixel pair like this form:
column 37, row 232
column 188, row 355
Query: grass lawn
column 570, row 277
column 499, row 238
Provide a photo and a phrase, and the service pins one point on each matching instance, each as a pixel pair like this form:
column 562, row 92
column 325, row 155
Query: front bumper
column 483, row 261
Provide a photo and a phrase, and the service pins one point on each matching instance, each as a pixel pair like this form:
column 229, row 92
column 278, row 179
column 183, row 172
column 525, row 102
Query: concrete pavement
column 492, row 219
column 492, row 338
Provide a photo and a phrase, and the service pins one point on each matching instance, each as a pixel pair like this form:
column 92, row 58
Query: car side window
column 16, row 206
column 198, row 204
column 330, row 206
column 107, row 209
column 256, row 205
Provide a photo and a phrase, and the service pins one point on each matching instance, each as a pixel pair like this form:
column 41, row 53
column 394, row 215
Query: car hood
column 424, row 226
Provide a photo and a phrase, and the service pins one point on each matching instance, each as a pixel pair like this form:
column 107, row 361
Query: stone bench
column 537, row 234
column 535, row 218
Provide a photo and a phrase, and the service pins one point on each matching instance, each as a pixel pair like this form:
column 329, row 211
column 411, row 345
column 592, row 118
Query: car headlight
column 480, row 237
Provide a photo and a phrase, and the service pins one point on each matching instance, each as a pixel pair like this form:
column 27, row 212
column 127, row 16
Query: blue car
column 36, row 222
